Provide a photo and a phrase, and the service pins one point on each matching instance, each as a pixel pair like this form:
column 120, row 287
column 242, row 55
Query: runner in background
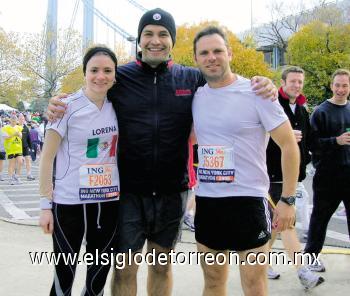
column 192, row 172
column 13, row 148
column 2, row 152
column 26, row 146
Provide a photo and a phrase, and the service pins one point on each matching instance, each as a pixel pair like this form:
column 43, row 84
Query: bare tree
column 33, row 63
column 287, row 18
column 7, row 51
column 9, row 73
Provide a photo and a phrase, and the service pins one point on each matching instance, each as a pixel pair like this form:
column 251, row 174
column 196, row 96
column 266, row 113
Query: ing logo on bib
column 216, row 164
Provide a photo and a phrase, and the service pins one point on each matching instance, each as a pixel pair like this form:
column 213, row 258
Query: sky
column 30, row 15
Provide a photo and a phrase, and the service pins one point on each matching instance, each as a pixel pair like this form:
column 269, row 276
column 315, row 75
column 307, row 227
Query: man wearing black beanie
column 152, row 99
column 158, row 17
column 156, row 36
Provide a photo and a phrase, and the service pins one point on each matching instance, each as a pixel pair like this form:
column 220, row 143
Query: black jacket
column 26, row 141
column 299, row 121
column 153, row 107
column 328, row 122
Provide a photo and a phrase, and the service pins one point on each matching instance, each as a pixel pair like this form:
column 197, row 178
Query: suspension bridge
column 96, row 21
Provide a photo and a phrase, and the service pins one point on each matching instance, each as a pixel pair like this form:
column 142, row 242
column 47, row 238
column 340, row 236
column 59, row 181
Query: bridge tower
column 51, row 44
column 88, row 25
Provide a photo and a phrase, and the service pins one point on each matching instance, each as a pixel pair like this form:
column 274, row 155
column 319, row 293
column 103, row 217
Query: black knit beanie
column 158, row 17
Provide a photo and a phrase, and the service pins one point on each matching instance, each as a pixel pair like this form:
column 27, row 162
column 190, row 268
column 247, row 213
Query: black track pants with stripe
column 98, row 221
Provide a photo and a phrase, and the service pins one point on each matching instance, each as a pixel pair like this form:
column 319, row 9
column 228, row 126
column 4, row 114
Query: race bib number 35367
column 216, row 164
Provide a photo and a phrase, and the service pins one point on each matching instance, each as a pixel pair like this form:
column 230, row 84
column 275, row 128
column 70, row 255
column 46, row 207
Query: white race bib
column 98, row 181
column 216, row 164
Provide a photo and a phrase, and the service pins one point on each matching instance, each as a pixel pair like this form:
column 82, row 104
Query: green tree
column 320, row 49
column 73, row 81
column 9, row 73
column 20, row 106
column 39, row 105
column 246, row 61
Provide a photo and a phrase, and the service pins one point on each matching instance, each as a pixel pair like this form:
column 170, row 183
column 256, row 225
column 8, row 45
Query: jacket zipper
column 156, row 126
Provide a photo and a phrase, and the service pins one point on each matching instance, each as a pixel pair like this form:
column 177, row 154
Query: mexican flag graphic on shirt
column 97, row 145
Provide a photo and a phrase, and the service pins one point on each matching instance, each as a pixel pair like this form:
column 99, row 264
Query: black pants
column 154, row 218
column 34, row 151
column 99, row 223
column 329, row 191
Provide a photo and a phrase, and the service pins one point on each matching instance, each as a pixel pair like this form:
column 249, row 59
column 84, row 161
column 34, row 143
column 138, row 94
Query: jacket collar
column 301, row 99
column 160, row 68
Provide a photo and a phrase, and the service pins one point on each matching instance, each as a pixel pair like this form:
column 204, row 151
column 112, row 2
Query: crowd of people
column 21, row 140
column 121, row 145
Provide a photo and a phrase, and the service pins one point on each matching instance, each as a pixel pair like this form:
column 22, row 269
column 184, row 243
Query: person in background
column 330, row 146
column 292, row 101
column 36, row 118
column 41, row 130
column 191, row 202
column 34, row 138
column 26, row 146
column 13, row 148
column 192, row 172
column 2, row 152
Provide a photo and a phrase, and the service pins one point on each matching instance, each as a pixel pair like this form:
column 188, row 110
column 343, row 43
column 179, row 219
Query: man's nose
column 155, row 39
column 211, row 56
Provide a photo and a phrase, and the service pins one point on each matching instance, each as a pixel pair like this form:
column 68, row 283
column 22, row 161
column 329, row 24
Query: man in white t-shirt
column 232, row 125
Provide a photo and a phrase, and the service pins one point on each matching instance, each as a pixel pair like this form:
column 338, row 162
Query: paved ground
column 18, row 276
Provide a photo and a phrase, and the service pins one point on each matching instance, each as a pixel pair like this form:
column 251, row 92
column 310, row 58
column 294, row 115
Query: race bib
column 216, row 164
column 98, row 181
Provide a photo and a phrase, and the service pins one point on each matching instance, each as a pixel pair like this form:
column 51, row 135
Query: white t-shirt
column 231, row 125
column 293, row 107
column 2, row 140
column 86, row 163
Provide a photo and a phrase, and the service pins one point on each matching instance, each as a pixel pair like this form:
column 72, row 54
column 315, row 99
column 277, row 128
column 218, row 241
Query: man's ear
column 230, row 54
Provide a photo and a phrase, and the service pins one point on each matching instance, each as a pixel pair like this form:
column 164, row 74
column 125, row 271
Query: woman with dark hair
column 82, row 202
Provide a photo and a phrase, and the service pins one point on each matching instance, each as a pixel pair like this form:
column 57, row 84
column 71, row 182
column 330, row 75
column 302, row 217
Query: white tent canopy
column 6, row 107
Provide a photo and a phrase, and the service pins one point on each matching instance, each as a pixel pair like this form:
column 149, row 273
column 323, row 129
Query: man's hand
column 344, row 139
column 264, row 87
column 283, row 217
column 298, row 135
column 46, row 221
column 56, row 107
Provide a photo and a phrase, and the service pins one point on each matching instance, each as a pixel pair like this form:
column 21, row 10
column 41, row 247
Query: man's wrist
column 289, row 200
column 45, row 203
column 337, row 141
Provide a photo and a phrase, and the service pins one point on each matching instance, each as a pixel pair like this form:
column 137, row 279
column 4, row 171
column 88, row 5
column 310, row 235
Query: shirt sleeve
column 271, row 113
column 4, row 132
column 320, row 143
column 60, row 125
